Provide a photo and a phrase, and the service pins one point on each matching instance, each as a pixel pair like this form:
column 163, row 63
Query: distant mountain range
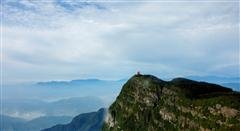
column 17, row 124
column 66, row 98
column 215, row 79
column 231, row 82
column 80, row 82
column 29, row 109
column 92, row 121
column 107, row 90
column 234, row 86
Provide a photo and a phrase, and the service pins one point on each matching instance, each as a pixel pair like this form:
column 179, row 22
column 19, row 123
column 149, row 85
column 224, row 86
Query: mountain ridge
column 92, row 121
column 148, row 103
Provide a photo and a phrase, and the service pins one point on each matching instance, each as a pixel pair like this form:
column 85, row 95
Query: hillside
column 147, row 103
column 84, row 122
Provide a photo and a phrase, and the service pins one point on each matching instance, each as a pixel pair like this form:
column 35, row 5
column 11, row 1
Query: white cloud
column 26, row 115
column 45, row 41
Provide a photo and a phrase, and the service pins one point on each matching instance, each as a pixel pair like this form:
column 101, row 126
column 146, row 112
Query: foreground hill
column 147, row 103
column 84, row 122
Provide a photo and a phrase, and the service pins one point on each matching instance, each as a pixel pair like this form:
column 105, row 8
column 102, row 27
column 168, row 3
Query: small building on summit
column 138, row 73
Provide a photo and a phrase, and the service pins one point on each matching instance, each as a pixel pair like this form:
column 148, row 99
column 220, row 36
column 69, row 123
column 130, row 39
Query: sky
column 62, row 40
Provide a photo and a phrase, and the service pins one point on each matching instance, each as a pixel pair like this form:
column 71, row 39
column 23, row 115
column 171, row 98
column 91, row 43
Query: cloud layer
column 66, row 40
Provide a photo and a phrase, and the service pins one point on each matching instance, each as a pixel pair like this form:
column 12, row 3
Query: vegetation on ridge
column 147, row 103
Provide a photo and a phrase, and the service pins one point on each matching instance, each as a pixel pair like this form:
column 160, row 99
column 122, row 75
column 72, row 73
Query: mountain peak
column 149, row 103
column 149, row 77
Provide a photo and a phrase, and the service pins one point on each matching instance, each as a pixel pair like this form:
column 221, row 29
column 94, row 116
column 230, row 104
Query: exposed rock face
column 147, row 103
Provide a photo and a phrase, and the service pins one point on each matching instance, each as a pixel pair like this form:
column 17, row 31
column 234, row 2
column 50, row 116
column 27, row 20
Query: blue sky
column 56, row 40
